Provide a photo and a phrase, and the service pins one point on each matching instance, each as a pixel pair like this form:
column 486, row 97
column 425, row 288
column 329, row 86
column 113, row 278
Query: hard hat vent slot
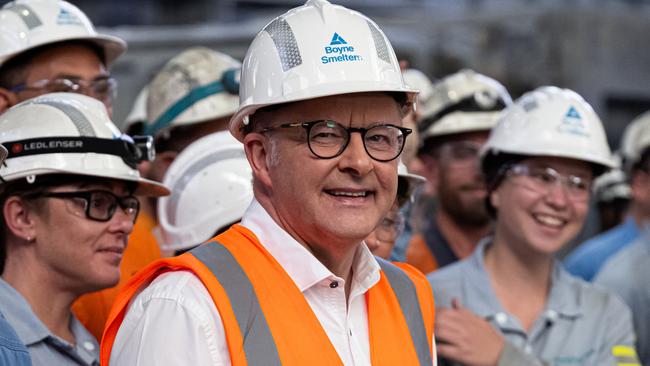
column 380, row 42
column 530, row 105
column 80, row 121
column 285, row 43
column 26, row 14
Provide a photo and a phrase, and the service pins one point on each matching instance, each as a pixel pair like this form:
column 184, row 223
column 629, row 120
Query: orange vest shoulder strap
column 275, row 319
column 400, row 332
column 258, row 344
column 425, row 295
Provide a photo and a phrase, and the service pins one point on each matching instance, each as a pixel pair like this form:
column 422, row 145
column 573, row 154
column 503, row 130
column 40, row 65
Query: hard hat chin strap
column 229, row 83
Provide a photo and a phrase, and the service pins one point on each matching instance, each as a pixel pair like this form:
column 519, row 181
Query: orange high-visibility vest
column 267, row 320
column 420, row 256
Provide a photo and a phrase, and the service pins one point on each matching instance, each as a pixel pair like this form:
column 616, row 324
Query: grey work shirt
column 628, row 275
column 581, row 324
column 44, row 347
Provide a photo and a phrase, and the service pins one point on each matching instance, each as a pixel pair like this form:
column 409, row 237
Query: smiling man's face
column 335, row 200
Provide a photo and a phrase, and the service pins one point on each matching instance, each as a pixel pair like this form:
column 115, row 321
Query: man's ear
column 19, row 218
column 257, row 147
column 7, row 99
column 495, row 198
column 160, row 165
column 639, row 186
column 166, row 158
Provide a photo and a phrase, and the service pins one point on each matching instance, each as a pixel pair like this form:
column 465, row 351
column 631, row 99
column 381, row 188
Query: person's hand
column 464, row 337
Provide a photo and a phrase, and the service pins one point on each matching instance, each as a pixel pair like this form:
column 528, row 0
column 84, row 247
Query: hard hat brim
column 113, row 47
column 236, row 122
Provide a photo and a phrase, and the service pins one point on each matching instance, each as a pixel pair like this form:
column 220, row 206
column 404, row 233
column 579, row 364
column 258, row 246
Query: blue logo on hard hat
column 339, row 50
column 573, row 123
column 67, row 18
column 337, row 40
column 572, row 113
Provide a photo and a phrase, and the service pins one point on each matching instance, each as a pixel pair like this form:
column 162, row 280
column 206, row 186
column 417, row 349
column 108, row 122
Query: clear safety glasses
column 390, row 227
column 544, row 179
column 460, row 152
column 102, row 88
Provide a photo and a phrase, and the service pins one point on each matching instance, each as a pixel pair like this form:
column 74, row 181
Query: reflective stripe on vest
column 407, row 297
column 259, row 345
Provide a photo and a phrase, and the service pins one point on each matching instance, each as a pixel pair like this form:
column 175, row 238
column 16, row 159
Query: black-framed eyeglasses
column 99, row 205
column 103, row 88
column 328, row 139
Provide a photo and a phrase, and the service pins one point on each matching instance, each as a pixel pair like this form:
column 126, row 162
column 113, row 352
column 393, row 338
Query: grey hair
column 273, row 153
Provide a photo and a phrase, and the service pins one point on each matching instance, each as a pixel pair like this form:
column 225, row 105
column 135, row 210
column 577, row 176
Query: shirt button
column 501, row 318
column 89, row 346
column 528, row 349
column 552, row 315
column 334, row 284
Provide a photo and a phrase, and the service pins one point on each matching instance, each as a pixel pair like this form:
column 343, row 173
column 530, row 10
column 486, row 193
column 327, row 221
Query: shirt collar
column 301, row 265
column 478, row 288
column 563, row 300
column 31, row 330
column 565, row 294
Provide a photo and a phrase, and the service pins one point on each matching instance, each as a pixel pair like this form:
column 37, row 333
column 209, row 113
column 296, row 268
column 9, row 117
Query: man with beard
column 467, row 106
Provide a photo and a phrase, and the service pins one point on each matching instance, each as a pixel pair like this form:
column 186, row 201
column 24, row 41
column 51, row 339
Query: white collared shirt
column 174, row 321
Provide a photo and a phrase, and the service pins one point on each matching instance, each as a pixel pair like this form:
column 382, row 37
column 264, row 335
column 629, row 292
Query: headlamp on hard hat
column 145, row 146
column 124, row 147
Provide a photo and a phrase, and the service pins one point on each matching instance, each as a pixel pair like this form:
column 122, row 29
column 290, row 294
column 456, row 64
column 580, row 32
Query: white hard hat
column 27, row 24
column 195, row 86
column 138, row 113
column 464, row 102
column 313, row 51
column 416, row 79
column 550, row 121
column 69, row 133
column 211, row 184
column 408, row 184
column 635, row 140
column 612, row 185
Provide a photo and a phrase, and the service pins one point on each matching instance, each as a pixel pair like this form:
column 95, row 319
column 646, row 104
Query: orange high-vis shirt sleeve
column 92, row 309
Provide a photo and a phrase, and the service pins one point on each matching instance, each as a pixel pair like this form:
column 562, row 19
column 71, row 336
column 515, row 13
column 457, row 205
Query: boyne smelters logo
column 339, row 51
column 67, row 18
column 573, row 123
